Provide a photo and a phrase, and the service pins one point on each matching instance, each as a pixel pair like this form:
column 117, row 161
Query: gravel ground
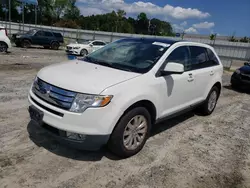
column 188, row 151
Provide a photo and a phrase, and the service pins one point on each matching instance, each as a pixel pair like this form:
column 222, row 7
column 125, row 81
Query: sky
column 224, row 17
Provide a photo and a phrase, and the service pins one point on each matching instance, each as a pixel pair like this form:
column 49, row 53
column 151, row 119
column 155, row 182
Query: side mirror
column 173, row 68
column 91, row 45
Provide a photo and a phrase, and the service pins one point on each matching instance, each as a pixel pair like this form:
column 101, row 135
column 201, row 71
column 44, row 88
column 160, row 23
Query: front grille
column 53, row 95
column 69, row 48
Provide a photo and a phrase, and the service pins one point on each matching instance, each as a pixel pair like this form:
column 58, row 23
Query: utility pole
column 10, row 17
column 182, row 35
column 23, row 14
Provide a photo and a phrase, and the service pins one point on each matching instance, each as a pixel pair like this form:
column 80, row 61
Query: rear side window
column 212, row 58
column 180, row 55
column 98, row 43
column 58, row 35
column 199, row 57
column 48, row 34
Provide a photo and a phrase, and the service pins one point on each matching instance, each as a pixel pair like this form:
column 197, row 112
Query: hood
column 83, row 77
column 245, row 69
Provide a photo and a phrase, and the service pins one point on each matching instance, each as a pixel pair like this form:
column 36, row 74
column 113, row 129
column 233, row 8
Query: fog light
column 75, row 136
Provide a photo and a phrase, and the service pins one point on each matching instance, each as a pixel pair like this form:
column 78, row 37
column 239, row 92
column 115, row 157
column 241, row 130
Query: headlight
column 84, row 101
column 76, row 47
column 237, row 71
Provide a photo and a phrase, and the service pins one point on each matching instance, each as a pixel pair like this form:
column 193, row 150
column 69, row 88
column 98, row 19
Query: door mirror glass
column 173, row 68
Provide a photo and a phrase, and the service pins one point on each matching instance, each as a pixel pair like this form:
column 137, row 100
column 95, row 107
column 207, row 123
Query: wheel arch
column 146, row 104
column 219, row 86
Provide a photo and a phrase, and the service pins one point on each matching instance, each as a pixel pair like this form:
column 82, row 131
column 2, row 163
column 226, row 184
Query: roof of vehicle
column 170, row 41
column 162, row 40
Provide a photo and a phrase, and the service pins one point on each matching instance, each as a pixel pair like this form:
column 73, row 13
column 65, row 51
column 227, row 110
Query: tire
column 3, row 47
column 25, row 43
column 119, row 142
column 83, row 52
column 55, row 45
column 210, row 103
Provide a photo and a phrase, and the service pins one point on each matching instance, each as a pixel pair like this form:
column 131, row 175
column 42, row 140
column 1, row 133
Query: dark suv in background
column 47, row 39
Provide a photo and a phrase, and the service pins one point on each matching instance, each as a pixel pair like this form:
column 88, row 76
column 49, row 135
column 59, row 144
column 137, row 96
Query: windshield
column 135, row 55
column 31, row 32
column 83, row 41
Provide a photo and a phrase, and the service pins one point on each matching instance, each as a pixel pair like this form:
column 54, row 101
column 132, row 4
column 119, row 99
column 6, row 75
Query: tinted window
column 58, row 35
column 48, row 34
column 180, row 55
column 212, row 58
column 98, row 43
column 199, row 57
column 39, row 33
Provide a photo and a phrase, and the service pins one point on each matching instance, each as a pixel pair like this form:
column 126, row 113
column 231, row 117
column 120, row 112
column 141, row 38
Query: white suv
column 116, row 94
column 4, row 40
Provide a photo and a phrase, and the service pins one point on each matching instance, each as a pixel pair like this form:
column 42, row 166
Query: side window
column 98, row 43
column 95, row 43
column 48, row 34
column 199, row 57
column 39, row 33
column 180, row 55
column 212, row 58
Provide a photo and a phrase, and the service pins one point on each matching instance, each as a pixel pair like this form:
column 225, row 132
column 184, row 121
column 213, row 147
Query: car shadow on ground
column 240, row 90
column 42, row 139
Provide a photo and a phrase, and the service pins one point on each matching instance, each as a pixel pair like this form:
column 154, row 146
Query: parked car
column 84, row 48
column 241, row 77
column 4, row 40
column 47, row 39
column 116, row 94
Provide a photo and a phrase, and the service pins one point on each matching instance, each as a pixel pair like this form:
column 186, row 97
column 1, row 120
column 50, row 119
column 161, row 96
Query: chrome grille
column 54, row 95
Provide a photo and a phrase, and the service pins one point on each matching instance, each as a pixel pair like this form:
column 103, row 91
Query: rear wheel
column 25, row 43
column 210, row 103
column 131, row 132
column 55, row 45
column 3, row 47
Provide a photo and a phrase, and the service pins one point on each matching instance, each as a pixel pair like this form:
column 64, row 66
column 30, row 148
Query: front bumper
column 96, row 124
column 88, row 142
column 238, row 81
column 72, row 52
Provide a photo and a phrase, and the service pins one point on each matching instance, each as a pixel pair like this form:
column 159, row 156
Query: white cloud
column 191, row 30
column 183, row 24
column 149, row 8
column 204, row 25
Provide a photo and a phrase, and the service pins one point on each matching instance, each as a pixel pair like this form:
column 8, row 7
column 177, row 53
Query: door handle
column 190, row 78
column 211, row 73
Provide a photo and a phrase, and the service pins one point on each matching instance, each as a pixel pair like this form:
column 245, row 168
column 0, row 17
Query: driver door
column 177, row 89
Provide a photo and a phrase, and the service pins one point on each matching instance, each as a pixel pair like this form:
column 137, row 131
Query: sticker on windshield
column 161, row 44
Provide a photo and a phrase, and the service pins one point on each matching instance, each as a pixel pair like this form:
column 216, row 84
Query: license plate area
column 36, row 114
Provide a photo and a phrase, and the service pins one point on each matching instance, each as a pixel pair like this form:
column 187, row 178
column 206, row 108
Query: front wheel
column 83, row 52
column 3, row 47
column 210, row 103
column 131, row 132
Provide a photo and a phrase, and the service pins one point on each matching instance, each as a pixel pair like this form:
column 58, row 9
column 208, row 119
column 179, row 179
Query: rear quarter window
column 212, row 57
column 57, row 35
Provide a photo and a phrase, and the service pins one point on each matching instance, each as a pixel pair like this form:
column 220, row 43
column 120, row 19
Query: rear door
column 48, row 38
column 203, row 69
